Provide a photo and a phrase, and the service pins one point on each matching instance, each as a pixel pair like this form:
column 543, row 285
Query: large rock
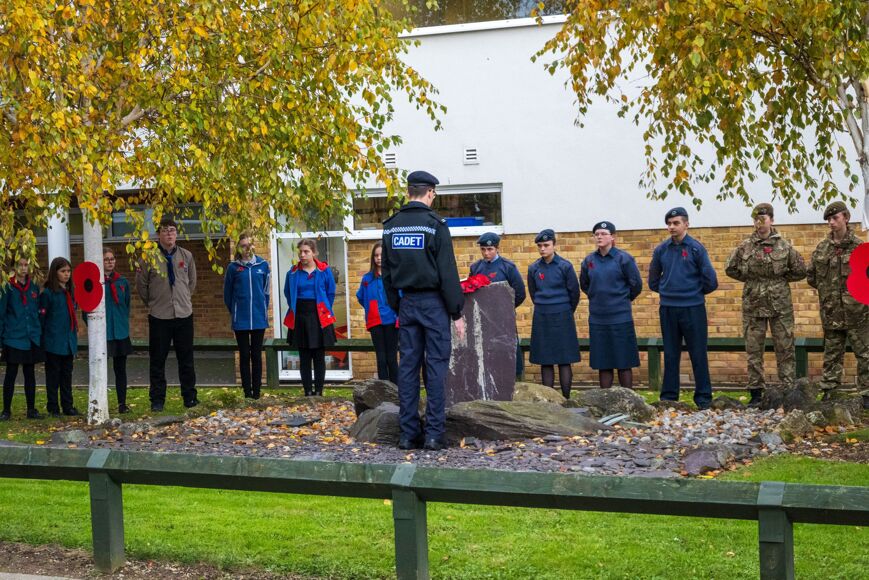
column 838, row 415
column 371, row 393
column 801, row 395
column 515, row 420
column 378, row 425
column 483, row 363
column 853, row 402
column 602, row 402
column 531, row 393
column 795, row 424
column 706, row 458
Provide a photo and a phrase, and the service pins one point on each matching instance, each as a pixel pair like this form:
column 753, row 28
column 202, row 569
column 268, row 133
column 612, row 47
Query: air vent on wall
column 471, row 156
column 390, row 160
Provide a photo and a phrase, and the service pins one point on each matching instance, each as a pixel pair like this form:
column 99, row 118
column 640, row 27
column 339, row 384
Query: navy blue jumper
column 682, row 274
column 553, row 287
column 611, row 282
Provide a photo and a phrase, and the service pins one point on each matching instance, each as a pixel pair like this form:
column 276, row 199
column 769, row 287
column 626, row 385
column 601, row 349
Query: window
column 466, row 11
column 189, row 219
column 462, row 207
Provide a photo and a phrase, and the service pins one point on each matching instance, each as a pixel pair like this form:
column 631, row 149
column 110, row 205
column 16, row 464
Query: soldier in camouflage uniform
column 767, row 263
column 843, row 318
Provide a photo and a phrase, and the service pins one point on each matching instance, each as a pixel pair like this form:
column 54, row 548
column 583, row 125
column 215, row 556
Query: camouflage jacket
column 828, row 272
column 767, row 266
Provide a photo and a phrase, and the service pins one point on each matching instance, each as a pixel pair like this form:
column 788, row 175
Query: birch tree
column 255, row 111
column 731, row 90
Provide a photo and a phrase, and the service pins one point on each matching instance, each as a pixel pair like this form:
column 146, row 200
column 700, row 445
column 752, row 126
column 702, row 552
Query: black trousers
column 29, row 385
column 162, row 334
column 315, row 357
column 58, row 377
column 250, row 360
column 119, row 365
column 385, row 339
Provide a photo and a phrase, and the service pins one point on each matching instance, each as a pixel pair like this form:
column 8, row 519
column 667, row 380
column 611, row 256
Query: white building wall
column 522, row 120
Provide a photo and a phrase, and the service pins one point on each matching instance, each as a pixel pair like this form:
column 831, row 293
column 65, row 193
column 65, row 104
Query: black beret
column 546, row 235
column 489, row 240
column 422, row 178
column 834, row 208
column 676, row 212
column 604, row 226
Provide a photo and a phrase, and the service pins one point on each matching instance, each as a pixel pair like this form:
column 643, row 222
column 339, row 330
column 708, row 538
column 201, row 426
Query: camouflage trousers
column 834, row 356
column 782, row 330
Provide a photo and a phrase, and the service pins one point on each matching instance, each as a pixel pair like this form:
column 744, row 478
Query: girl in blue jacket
column 246, row 292
column 59, row 336
column 380, row 319
column 21, row 336
column 117, row 297
column 310, row 291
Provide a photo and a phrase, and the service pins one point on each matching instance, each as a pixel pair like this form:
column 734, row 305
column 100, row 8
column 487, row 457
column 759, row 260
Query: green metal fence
column 775, row 506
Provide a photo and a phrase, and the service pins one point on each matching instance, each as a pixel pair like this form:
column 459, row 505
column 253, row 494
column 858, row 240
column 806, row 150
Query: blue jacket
column 118, row 315
column 611, row 282
column 682, row 273
column 324, row 291
column 20, row 326
column 502, row 270
column 59, row 334
column 372, row 297
column 553, row 287
column 246, row 293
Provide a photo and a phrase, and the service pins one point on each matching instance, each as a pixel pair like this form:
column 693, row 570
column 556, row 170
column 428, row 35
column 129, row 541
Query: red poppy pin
column 541, row 275
column 181, row 264
column 767, row 250
column 590, row 265
column 684, row 253
column 33, row 295
column 858, row 281
column 240, row 269
column 492, row 275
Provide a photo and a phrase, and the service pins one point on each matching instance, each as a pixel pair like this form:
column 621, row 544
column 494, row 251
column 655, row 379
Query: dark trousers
column 250, row 360
column 385, row 339
column 58, row 377
column 29, row 385
column 316, row 358
column 119, row 365
column 424, row 327
column 688, row 323
column 162, row 335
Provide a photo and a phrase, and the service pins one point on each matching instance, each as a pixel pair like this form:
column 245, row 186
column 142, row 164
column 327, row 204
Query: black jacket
column 418, row 255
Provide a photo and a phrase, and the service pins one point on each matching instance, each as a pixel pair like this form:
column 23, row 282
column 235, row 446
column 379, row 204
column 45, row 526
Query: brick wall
column 724, row 305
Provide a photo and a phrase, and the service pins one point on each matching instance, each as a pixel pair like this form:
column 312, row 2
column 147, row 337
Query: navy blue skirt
column 553, row 338
column 613, row 346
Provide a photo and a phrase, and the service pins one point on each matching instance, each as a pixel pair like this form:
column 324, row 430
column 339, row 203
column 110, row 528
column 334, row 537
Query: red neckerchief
column 22, row 289
column 70, row 307
column 111, row 279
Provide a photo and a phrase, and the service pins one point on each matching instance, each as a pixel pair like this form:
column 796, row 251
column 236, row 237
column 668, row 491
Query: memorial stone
column 483, row 364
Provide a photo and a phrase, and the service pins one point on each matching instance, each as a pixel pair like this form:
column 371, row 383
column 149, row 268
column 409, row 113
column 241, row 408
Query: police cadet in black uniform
column 422, row 284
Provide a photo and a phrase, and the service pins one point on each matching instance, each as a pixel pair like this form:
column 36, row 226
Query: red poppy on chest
column 767, row 250
column 541, row 275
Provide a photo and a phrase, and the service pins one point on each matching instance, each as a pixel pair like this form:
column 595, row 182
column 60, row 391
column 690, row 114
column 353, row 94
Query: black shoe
column 191, row 403
column 5, row 416
column 54, row 414
column 565, row 392
column 248, row 395
column 256, row 395
column 157, row 407
column 123, row 408
column 704, row 407
column 33, row 414
column 73, row 412
column 435, row 444
column 756, row 398
column 408, row 444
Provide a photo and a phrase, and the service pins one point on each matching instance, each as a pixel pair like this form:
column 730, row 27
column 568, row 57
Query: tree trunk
column 98, row 400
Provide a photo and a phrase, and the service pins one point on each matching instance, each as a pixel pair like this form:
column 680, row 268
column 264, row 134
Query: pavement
column 11, row 576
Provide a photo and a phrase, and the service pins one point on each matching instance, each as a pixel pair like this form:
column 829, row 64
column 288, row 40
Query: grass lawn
column 348, row 538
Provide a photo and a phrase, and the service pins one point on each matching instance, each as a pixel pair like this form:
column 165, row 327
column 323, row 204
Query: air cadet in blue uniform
column 554, row 290
column 499, row 269
column 682, row 274
column 611, row 280
column 422, row 284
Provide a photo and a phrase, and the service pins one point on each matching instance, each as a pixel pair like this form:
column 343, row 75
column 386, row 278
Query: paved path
column 10, row 576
